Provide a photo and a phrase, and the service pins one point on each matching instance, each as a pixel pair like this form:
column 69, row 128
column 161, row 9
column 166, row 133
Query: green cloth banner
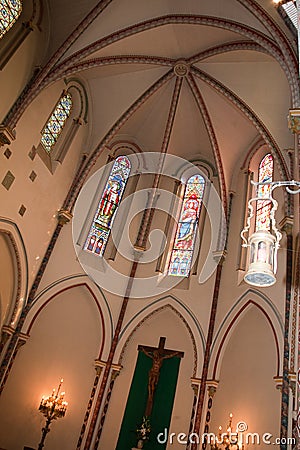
column 137, row 400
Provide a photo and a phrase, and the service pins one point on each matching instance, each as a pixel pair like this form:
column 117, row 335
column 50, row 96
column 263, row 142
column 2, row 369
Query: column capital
column 286, row 225
column 116, row 369
column 29, row 25
column 79, row 121
column 195, row 385
column 7, row 135
column 7, row 331
column 212, row 386
column 64, row 216
column 278, row 382
column 22, row 338
column 219, row 255
column 196, row 381
column 99, row 365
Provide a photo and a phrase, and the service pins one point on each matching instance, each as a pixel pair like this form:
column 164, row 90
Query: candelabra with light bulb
column 228, row 440
column 52, row 407
column 264, row 243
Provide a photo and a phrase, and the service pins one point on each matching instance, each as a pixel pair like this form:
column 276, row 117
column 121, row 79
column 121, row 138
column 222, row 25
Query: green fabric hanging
column 137, row 399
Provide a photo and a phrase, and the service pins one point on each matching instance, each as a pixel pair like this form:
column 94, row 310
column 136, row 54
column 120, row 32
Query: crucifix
column 157, row 354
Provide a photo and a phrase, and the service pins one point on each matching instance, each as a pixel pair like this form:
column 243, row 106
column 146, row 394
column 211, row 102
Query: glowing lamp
column 264, row 243
column 52, row 407
column 263, row 256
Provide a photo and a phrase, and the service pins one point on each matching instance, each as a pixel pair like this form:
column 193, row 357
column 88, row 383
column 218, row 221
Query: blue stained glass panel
column 56, row 122
column 180, row 263
column 96, row 241
column 10, row 10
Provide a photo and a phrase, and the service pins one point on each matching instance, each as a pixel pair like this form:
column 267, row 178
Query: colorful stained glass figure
column 263, row 207
column 107, row 206
column 56, row 123
column 181, row 257
column 10, row 10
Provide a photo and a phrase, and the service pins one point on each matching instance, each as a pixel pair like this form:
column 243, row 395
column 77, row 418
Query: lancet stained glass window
column 183, row 248
column 107, row 207
column 56, row 123
column 10, row 10
column 263, row 207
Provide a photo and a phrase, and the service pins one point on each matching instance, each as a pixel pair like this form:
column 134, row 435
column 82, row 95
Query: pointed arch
column 186, row 316
column 54, row 290
column 250, row 298
column 158, row 310
column 16, row 248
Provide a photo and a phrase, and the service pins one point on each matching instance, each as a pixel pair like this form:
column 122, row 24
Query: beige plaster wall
column 246, row 386
column 64, row 341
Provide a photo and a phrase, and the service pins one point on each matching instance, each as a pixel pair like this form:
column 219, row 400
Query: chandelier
column 230, row 440
column 52, row 407
column 264, row 243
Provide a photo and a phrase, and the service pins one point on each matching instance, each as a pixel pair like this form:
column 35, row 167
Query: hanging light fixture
column 264, row 243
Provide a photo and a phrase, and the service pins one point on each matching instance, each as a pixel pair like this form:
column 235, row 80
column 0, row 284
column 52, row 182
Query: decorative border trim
column 153, row 313
column 212, row 136
column 18, row 279
column 285, row 46
column 249, row 113
column 51, row 71
column 80, row 179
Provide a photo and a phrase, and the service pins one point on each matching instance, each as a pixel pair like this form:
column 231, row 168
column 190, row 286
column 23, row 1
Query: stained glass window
column 182, row 253
column 263, row 207
column 291, row 10
column 288, row 11
column 9, row 13
column 56, row 123
column 107, row 207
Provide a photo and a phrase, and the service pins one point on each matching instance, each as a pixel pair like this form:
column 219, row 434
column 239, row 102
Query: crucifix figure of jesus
column 157, row 354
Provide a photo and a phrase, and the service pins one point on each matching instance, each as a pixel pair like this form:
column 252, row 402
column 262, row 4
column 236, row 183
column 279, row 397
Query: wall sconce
column 264, row 243
column 52, row 407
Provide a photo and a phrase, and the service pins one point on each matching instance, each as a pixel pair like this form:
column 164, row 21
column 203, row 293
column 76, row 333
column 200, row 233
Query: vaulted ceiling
column 206, row 79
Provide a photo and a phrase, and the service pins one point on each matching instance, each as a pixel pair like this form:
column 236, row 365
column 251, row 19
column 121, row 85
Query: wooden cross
column 157, row 354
